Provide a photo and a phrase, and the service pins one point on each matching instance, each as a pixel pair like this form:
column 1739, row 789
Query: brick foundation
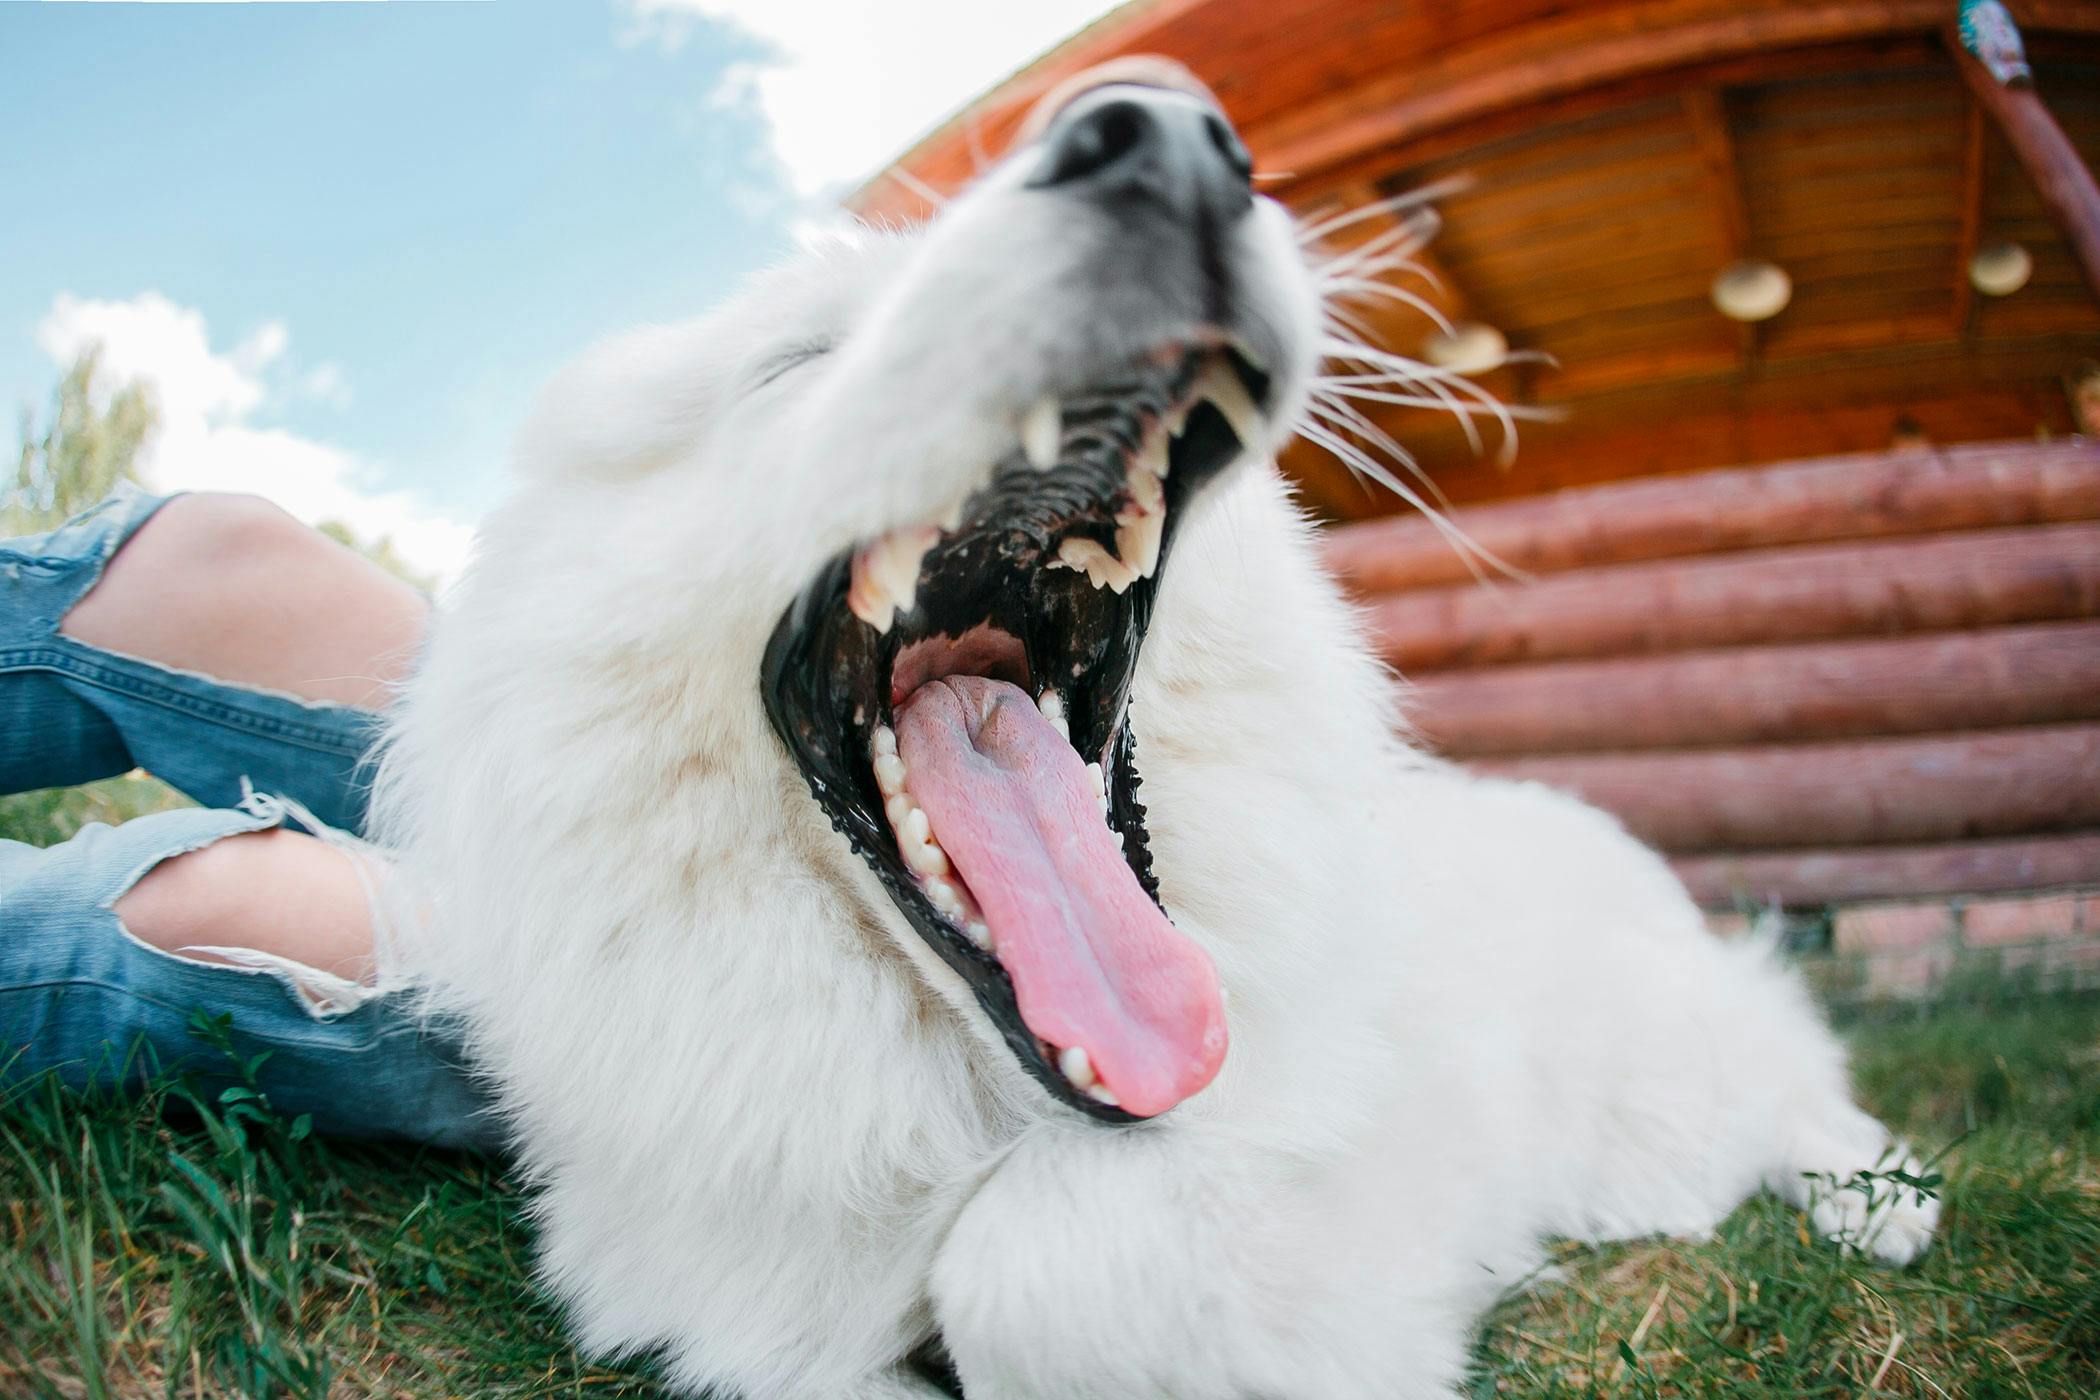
column 1897, row 950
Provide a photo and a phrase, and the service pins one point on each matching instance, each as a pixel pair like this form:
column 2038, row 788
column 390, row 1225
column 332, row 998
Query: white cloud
column 206, row 439
column 851, row 86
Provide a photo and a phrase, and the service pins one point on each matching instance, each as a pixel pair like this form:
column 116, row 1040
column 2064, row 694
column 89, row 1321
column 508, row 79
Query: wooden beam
column 2060, row 176
column 1800, row 878
column 1943, row 787
column 1974, row 578
column 1857, row 497
column 1706, row 109
column 1972, row 186
column 2046, row 673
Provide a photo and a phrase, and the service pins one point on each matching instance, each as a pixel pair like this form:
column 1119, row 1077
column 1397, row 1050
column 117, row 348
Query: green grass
column 214, row 1249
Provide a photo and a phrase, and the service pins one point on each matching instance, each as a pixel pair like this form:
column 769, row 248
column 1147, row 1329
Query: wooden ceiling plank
column 1588, row 47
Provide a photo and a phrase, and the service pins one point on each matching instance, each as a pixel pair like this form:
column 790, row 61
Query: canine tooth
column 899, row 807
column 884, row 740
column 1042, row 429
column 980, row 933
column 951, row 518
column 896, row 561
column 1250, row 354
column 878, row 613
column 1073, row 1064
column 1101, row 568
column 1138, row 540
column 1176, row 421
column 1222, row 386
column 889, row 774
column 1098, row 778
column 1145, row 491
column 886, row 575
column 1149, row 460
column 1101, row 1093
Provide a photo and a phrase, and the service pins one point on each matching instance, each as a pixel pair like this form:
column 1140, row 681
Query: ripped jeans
column 79, row 995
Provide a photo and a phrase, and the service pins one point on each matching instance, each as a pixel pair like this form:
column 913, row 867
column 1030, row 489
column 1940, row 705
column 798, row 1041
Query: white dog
column 773, row 779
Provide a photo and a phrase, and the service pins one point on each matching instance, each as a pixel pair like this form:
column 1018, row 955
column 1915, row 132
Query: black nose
column 1129, row 144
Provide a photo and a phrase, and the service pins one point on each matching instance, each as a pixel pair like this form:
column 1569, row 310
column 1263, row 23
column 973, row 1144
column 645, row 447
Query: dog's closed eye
column 791, row 358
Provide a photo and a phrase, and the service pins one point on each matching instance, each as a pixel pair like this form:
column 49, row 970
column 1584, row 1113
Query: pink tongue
column 1094, row 962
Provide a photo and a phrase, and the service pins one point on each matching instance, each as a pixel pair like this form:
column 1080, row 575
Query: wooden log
column 1978, row 578
column 1799, row 878
column 2039, row 674
column 1944, row 787
column 2060, row 176
column 1855, row 497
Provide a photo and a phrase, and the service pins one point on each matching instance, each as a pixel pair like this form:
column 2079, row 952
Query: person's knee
column 233, row 587
column 214, row 529
column 279, row 892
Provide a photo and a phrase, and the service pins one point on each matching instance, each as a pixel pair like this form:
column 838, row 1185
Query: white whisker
column 917, row 186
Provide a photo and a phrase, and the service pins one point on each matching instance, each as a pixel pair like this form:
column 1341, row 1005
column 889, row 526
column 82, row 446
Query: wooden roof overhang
column 1620, row 153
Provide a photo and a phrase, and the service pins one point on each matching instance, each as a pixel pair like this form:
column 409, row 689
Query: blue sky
column 346, row 241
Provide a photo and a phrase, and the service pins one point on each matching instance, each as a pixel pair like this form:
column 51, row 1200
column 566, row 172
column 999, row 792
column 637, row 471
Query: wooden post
column 2060, row 177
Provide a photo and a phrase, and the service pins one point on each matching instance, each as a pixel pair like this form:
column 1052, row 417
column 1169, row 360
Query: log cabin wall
column 1816, row 600
column 1849, row 679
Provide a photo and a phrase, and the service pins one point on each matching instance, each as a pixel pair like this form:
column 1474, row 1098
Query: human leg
column 101, row 983
column 208, row 639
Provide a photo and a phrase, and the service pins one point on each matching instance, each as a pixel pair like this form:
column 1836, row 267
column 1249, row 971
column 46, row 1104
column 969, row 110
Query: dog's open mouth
column 955, row 695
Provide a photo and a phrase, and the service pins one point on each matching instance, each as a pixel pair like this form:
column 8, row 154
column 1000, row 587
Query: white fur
column 771, row 1138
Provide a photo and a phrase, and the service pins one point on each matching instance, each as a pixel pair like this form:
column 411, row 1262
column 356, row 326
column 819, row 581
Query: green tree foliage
column 381, row 552
column 90, row 443
column 85, row 449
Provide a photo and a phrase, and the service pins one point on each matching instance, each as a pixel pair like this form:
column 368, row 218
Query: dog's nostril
column 1095, row 141
column 1228, row 144
column 1138, row 148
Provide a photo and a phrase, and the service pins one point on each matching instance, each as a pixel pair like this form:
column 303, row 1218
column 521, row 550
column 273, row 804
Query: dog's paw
column 1886, row 1211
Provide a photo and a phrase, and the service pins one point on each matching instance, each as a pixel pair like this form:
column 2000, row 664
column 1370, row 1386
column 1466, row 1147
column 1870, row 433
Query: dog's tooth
column 1102, row 569
column 884, row 739
column 1222, row 386
column 943, row 895
column 1073, row 1064
column 1250, row 354
column 1042, row 430
column 1053, row 707
column 889, row 774
column 1098, row 778
column 1150, row 460
column 867, row 600
column 1146, row 493
column 924, row 858
column 895, row 562
column 917, row 827
column 980, row 933
column 1101, row 1093
column 1138, row 540
column 897, row 808
column 1176, row 420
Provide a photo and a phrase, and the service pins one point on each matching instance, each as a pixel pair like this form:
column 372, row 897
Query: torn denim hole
column 324, row 994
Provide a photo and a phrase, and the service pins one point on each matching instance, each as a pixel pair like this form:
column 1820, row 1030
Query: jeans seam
column 373, row 1041
column 57, row 662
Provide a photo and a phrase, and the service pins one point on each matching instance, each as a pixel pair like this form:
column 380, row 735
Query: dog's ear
column 627, row 407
